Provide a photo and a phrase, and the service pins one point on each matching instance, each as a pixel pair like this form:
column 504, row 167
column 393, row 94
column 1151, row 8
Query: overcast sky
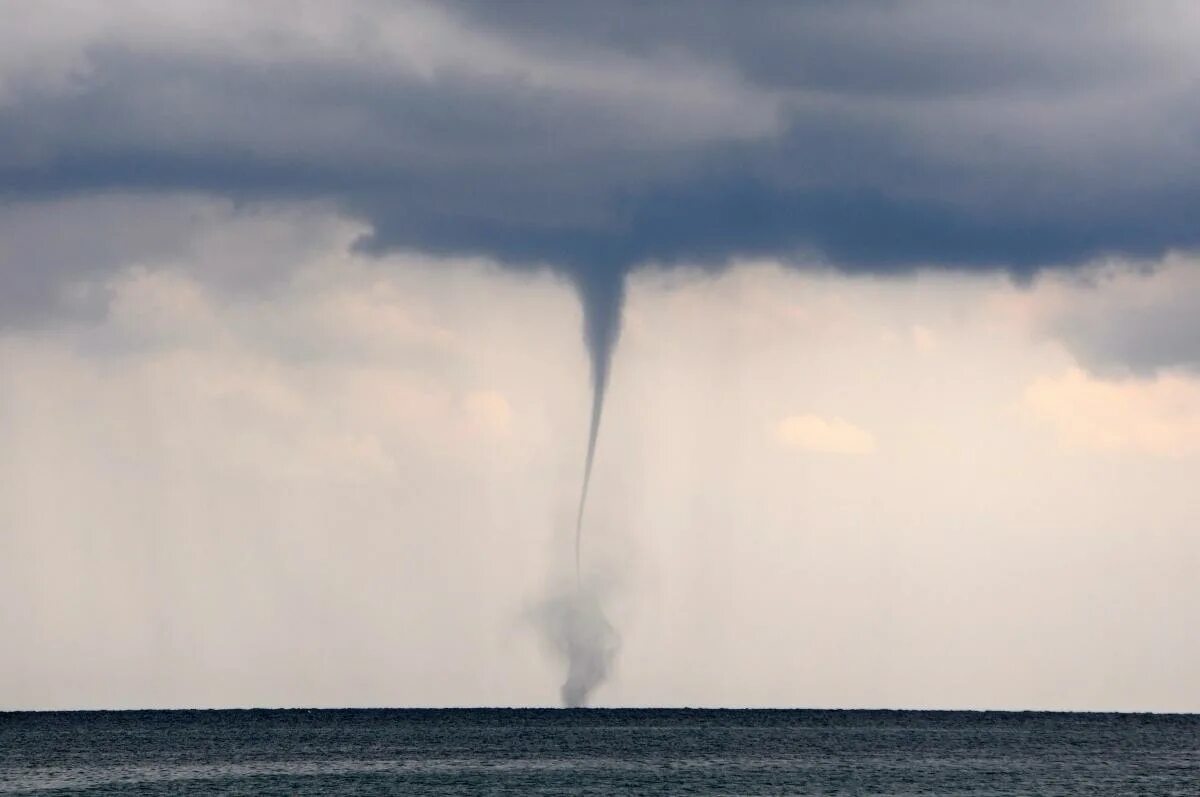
column 300, row 303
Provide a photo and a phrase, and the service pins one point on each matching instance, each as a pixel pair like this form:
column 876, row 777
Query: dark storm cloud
column 902, row 135
column 595, row 137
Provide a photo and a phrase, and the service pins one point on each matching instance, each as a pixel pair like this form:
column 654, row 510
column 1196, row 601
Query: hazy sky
column 904, row 410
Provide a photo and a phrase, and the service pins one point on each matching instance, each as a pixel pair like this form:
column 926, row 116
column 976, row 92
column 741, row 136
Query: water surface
column 599, row 751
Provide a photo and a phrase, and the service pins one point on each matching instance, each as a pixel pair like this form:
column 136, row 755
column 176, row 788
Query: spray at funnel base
column 578, row 631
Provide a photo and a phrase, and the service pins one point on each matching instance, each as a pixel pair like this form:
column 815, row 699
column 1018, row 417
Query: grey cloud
column 1121, row 321
column 46, row 246
column 58, row 254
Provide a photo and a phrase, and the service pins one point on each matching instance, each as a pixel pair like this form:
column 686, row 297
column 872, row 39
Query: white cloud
column 1159, row 416
column 830, row 436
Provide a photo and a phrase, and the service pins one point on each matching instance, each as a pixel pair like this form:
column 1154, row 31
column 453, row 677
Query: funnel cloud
column 602, row 299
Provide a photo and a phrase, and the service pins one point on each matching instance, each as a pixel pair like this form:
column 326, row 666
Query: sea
column 597, row 752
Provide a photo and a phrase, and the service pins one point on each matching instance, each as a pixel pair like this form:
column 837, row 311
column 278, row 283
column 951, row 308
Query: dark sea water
column 598, row 752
